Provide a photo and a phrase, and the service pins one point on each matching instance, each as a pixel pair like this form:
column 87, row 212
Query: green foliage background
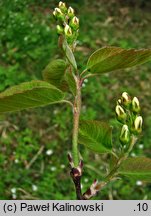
column 28, row 42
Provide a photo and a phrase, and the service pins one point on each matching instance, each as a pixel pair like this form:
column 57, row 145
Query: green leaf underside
column 138, row 168
column 109, row 59
column 54, row 73
column 29, row 95
column 69, row 54
column 71, row 82
column 95, row 135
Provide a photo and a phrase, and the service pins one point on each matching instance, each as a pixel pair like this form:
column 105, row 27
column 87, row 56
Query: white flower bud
column 138, row 122
column 119, row 102
column 70, row 12
column 74, row 23
column 54, row 13
column 58, row 14
column 135, row 105
column 62, row 6
column 119, row 110
column 125, row 135
column 58, row 11
column 125, row 95
column 126, row 99
column 59, row 29
column 68, row 31
column 121, row 115
column 75, row 20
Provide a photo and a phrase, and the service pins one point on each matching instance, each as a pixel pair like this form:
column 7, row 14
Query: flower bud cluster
column 68, row 23
column 128, row 113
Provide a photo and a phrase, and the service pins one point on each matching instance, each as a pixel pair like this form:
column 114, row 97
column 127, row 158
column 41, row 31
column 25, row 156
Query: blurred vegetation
column 34, row 143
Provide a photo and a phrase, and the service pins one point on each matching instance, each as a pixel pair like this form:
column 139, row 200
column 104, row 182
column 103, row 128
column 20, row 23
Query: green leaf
column 96, row 136
column 54, row 73
column 69, row 54
column 138, row 168
column 109, row 59
column 29, row 95
column 71, row 82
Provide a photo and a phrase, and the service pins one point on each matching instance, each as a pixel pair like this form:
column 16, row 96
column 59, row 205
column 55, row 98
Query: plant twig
column 76, row 177
column 76, row 116
column 76, row 174
column 91, row 192
column 89, row 75
column 121, row 159
column 83, row 72
column 35, row 157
